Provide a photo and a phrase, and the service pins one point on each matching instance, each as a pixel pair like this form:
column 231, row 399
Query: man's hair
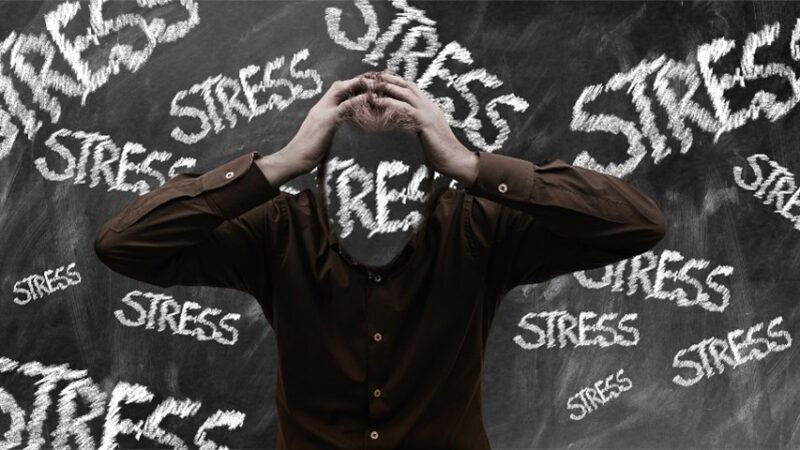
column 369, row 116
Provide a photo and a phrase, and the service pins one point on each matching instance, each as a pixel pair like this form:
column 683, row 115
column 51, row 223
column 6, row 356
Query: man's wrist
column 463, row 167
column 281, row 167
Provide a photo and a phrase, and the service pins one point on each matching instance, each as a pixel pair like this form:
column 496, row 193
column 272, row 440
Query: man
column 390, row 356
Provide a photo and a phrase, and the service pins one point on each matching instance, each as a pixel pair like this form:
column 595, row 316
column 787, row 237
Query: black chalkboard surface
column 689, row 345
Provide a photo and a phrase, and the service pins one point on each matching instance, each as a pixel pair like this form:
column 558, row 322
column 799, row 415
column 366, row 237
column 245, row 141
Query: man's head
column 374, row 179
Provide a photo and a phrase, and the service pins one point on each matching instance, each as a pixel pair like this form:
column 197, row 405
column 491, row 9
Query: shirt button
column 377, row 337
column 376, row 392
column 502, row 187
column 377, row 278
column 229, row 175
column 373, row 434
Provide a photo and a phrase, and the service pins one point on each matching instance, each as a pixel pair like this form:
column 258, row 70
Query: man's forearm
column 197, row 229
column 573, row 202
column 462, row 166
column 282, row 166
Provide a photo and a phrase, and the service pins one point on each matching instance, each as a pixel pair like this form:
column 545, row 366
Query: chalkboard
column 694, row 103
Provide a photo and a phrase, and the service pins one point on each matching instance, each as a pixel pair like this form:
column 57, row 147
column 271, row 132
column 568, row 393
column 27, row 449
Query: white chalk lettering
column 36, row 286
column 353, row 208
column 651, row 272
column 81, row 388
column 679, row 111
column 44, row 82
column 239, row 97
column 122, row 54
column 559, row 329
column 713, row 355
column 164, row 311
column 590, row 399
column 778, row 188
column 108, row 164
column 422, row 29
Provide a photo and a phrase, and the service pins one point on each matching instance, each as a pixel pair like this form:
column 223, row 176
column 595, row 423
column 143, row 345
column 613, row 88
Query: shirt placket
column 375, row 347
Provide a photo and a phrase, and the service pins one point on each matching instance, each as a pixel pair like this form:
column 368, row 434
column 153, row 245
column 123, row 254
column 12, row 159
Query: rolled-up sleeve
column 219, row 228
column 552, row 218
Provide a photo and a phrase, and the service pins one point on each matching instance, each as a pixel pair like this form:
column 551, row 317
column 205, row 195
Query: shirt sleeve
column 548, row 219
column 215, row 229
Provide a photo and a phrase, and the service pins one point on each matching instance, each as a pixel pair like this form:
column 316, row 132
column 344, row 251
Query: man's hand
column 442, row 148
column 310, row 144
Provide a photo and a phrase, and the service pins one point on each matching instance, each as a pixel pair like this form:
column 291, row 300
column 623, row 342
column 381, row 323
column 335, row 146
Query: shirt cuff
column 522, row 184
column 238, row 186
column 503, row 177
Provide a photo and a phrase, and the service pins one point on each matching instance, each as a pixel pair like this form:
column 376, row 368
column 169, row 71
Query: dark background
column 545, row 53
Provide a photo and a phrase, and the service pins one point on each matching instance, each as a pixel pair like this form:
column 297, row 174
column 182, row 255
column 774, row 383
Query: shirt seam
column 146, row 206
column 467, row 212
column 622, row 208
column 550, row 185
column 283, row 224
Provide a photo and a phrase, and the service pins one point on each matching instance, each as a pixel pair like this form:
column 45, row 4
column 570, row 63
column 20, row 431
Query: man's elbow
column 660, row 227
column 110, row 251
column 110, row 248
column 104, row 246
column 653, row 229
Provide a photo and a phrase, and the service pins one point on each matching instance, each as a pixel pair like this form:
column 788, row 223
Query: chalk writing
column 588, row 328
column 81, row 388
column 164, row 311
column 240, row 97
column 425, row 30
column 668, row 76
column 711, row 356
column 652, row 272
column 773, row 188
column 35, row 287
column 155, row 30
column 590, row 399
column 353, row 206
column 103, row 161
column 31, row 57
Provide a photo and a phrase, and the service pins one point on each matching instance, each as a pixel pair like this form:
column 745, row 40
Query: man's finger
column 397, row 106
column 399, row 93
column 345, row 89
column 396, row 79
column 348, row 104
column 402, row 82
column 404, row 116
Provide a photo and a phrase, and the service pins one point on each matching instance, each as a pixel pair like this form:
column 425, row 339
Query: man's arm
column 221, row 228
column 554, row 218
column 215, row 229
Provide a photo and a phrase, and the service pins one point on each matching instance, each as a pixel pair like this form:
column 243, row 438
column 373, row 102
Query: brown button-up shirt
column 389, row 358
